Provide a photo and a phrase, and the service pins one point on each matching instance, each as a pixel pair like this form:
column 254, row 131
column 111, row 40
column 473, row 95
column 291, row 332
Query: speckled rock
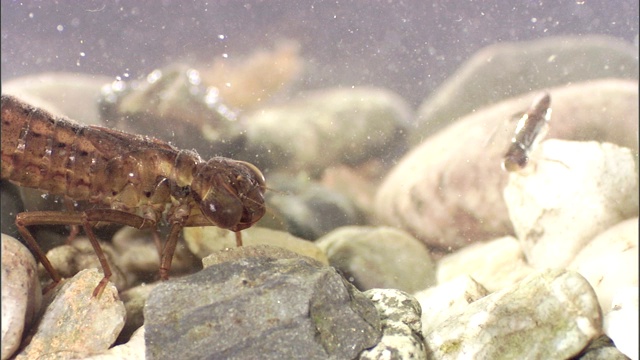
column 75, row 324
column 610, row 261
column 253, row 303
column 448, row 190
column 203, row 241
column 621, row 321
column 401, row 328
column 447, row 299
column 495, row 264
column 489, row 75
column 575, row 191
column 551, row 314
column 327, row 127
column 379, row 257
column 21, row 293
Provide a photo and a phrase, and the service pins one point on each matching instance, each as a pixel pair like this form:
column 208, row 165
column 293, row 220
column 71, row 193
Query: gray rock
column 379, row 257
column 308, row 209
column 553, row 314
column 401, row 327
column 254, row 303
column 21, row 293
column 448, row 191
column 505, row 70
column 328, row 127
column 574, row 191
column 75, row 324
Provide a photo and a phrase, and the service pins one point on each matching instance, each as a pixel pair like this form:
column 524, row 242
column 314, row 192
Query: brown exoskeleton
column 127, row 179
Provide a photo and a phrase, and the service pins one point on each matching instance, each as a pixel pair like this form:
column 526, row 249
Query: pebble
column 138, row 256
column 621, row 321
column 259, row 302
column 203, row 241
column 448, row 190
column 68, row 260
column 379, row 257
column 495, row 264
column 21, row 293
column 75, row 324
column 488, row 76
column 401, row 327
column 447, row 299
column 308, row 209
column 552, row 314
column 327, row 127
column 610, row 261
column 134, row 300
column 134, row 349
column 598, row 179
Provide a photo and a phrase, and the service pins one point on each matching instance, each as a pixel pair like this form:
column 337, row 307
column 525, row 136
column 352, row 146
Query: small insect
column 125, row 179
column 532, row 128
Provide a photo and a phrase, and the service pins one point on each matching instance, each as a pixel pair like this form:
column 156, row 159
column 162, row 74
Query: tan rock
column 448, row 190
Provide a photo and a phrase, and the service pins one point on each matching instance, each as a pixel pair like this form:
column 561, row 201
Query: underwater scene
column 319, row 179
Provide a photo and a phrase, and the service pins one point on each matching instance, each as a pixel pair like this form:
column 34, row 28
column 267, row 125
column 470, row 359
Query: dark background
column 407, row 46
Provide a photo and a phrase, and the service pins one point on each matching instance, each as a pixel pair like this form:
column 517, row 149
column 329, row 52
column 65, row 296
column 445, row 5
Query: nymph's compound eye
column 257, row 174
column 213, row 188
column 230, row 193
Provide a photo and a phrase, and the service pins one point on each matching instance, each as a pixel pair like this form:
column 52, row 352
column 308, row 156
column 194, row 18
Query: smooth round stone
column 203, row 241
column 495, row 264
column 63, row 94
column 133, row 349
column 621, row 322
column 572, row 192
column 69, row 260
column 327, row 127
column 21, row 293
column 447, row 299
column 549, row 314
column 610, row 261
column 379, row 257
column 487, row 77
column 448, row 190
